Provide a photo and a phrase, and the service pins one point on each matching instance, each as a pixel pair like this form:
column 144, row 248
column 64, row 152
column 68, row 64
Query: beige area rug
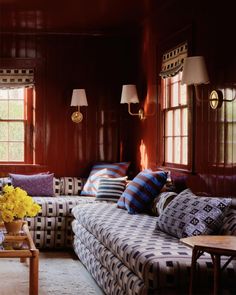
column 60, row 273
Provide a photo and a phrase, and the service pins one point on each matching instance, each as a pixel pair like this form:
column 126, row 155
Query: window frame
column 164, row 110
column 28, row 129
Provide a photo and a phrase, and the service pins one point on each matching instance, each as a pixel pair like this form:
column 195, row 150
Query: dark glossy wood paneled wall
column 62, row 62
column 210, row 29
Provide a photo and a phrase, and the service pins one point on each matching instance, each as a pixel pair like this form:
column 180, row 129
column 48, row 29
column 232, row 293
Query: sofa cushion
column 189, row 215
column 165, row 199
column 157, row 258
column 110, row 189
column 161, row 201
column 141, row 191
column 34, row 185
column 111, row 170
column 60, row 206
column 56, row 186
column 71, row 186
column 229, row 223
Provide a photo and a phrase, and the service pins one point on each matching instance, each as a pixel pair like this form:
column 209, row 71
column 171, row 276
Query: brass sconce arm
column 140, row 113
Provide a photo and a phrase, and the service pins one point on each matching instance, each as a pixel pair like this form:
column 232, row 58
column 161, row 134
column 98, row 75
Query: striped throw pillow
column 141, row 191
column 111, row 189
column 103, row 170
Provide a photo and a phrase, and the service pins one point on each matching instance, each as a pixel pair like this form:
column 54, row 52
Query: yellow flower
column 15, row 203
column 7, row 216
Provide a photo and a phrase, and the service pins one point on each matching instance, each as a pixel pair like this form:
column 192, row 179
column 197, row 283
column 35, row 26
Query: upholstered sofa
column 51, row 228
column 127, row 254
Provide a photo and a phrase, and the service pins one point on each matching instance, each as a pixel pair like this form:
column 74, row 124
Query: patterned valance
column 15, row 78
column 172, row 61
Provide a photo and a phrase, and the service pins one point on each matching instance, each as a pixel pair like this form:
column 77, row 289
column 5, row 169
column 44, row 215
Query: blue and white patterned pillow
column 111, row 170
column 110, row 189
column 191, row 215
column 141, row 191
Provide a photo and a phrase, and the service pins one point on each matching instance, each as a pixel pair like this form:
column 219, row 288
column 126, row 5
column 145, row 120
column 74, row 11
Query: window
column 175, row 116
column 15, row 125
column 224, row 154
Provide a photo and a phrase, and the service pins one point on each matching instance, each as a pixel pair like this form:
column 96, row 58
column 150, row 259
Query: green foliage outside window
column 12, row 130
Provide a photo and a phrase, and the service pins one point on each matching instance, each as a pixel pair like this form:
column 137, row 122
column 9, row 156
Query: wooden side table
column 216, row 246
column 22, row 246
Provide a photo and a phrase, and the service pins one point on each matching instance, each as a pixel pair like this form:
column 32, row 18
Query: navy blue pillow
column 141, row 191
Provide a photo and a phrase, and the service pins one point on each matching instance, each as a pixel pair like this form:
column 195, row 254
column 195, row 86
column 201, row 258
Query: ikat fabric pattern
column 130, row 252
column 191, row 215
column 229, row 223
column 34, row 185
column 71, row 186
column 141, row 191
column 110, row 189
column 103, row 170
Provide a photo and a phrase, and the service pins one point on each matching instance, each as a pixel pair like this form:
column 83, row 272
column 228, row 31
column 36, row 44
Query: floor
column 60, row 273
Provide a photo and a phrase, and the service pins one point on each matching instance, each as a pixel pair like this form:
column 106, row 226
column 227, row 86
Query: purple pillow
column 34, row 185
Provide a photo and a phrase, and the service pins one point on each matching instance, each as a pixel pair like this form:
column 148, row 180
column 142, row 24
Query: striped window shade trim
column 13, row 78
column 172, row 60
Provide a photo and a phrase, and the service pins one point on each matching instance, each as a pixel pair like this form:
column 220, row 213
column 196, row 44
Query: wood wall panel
column 63, row 62
column 214, row 147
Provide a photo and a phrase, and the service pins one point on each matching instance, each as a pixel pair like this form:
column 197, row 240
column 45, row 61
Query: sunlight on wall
column 143, row 156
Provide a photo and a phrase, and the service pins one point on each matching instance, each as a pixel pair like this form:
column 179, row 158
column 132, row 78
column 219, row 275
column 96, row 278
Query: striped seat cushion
column 103, row 170
column 110, row 189
column 141, row 191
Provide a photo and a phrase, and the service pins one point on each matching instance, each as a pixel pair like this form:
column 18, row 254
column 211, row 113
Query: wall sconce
column 129, row 95
column 78, row 99
column 216, row 99
column 195, row 73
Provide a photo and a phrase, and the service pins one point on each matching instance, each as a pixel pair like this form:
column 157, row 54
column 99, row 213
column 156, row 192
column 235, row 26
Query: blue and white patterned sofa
column 127, row 255
column 51, row 228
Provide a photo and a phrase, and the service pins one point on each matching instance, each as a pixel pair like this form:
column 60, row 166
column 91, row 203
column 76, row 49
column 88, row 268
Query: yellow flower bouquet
column 16, row 204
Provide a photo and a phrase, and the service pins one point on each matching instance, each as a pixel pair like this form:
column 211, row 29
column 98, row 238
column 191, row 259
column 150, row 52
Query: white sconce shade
column 195, row 71
column 129, row 94
column 79, row 98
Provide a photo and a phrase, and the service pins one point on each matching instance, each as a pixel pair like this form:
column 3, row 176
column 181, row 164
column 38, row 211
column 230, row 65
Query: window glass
column 12, row 125
column 175, row 111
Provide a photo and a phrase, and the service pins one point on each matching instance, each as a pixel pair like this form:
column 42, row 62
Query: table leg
column 34, row 269
column 216, row 265
column 195, row 256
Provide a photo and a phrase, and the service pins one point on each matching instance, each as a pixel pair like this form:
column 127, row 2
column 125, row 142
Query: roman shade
column 15, row 78
column 173, row 59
